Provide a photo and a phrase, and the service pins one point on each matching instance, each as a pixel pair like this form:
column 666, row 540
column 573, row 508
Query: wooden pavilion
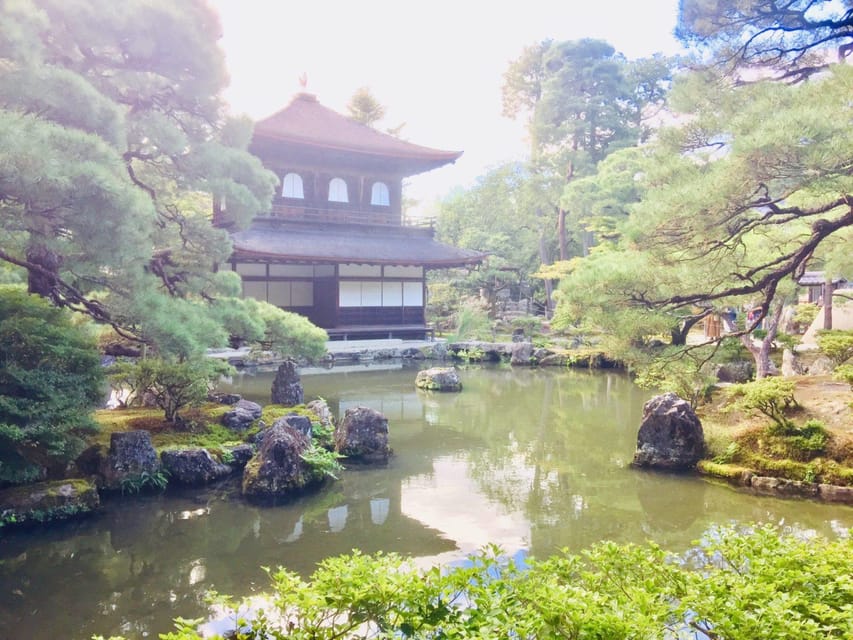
column 334, row 246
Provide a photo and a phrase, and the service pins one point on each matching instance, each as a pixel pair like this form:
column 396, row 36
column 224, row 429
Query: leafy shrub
column 135, row 483
column 321, row 462
column 730, row 586
column 731, row 350
column 474, row 354
column 835, row 344
column 50, row 381
column 774, row 397
column 798, row 443
column 688, row 379
column 787, row 340
column 472, row 323
column 171, row 385
column 804, row 314
column 845, row 374
column 531, row 325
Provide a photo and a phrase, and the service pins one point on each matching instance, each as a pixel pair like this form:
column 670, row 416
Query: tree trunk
column 827, row 300
column 44, row 281
column 761, row 353
column 678, row 334
column 562, row 234
column 543, row 258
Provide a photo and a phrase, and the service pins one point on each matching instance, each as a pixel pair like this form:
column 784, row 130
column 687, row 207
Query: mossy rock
column 48, row 501
column 439, row 379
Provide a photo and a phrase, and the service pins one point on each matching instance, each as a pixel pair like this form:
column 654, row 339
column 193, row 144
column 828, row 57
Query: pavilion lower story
column 355, row 281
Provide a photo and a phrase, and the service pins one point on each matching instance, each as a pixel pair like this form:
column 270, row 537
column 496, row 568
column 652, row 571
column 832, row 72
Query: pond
column 531, row 459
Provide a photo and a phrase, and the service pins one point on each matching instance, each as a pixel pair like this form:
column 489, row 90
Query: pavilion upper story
column 333, row 169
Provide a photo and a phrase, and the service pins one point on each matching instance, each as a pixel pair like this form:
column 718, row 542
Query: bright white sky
column 436, row 65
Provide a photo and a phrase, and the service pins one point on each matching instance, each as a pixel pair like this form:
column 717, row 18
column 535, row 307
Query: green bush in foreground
column 757, row 583
column 50, row 382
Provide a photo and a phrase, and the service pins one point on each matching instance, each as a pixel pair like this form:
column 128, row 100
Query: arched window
column 292, row 186
column 379, row 194
column 338, row 190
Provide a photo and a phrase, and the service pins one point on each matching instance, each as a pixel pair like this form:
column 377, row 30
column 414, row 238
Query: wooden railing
column 334, row 215
column 346, row 216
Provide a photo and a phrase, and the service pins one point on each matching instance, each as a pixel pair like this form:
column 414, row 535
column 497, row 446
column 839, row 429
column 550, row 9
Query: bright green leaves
column 756, row 583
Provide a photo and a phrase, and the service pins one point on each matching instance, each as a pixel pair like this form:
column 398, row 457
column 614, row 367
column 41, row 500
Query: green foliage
column 772, row 396
column 805, row 313
column 835, row 344
column 787, row 340
column 363, row 107
column 115, row 143
column 751, row 583
column 443, row 300
column 728, row 455
column 289, row 333
column 134, row 483
column 50, row 381
column 688, row 379
column 321, row 462
column 809, row 440
column 845, row 374
column 531, row 325
column 500, row 215
column 731, row 350
column 472, row 354
column 172, row 385
column 472, row 323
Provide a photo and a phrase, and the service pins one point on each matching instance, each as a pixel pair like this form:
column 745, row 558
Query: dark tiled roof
column 348, row 244
column 812, row 278
column 306, row 122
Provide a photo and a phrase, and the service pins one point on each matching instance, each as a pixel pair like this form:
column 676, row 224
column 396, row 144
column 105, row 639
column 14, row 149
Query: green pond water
column 534, row 460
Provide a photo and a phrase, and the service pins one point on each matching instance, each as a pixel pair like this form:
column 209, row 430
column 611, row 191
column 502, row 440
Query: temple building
column 334, row 247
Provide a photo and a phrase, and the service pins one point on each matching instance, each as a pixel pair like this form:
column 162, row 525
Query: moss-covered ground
column 737, row 442
column 200, row 427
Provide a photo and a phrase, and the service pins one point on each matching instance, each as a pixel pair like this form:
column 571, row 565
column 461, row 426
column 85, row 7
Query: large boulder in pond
column 362, row 436
column 522, row 354
column 192, row 466
column 277, row 469
column 439, row 379
column 241, row 417
column 287, row 385
column 131, row 461
column 47, row 501
column 670, row 435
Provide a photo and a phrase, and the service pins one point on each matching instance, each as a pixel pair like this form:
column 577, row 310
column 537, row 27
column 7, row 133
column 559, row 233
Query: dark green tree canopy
column 583, row 100
column 50, row 380
column 115, row 142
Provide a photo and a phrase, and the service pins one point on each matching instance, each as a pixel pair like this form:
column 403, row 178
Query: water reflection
column 533, row 460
